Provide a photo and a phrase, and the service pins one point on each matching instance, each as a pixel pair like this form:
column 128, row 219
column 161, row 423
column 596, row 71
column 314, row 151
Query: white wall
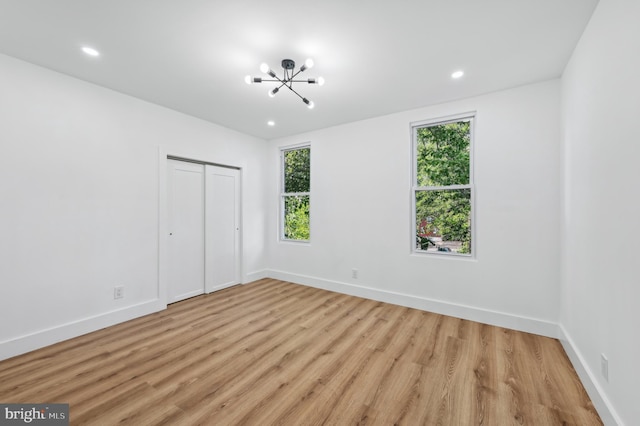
column 361, row 213
column 80, row 184
column 79, row 187
column 600, row 279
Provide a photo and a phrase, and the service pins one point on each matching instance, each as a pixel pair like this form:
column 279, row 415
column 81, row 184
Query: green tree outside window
column 296, row 188
column 442, row 187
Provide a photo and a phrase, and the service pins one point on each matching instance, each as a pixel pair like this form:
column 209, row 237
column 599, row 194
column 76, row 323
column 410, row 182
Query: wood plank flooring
column 276, row 353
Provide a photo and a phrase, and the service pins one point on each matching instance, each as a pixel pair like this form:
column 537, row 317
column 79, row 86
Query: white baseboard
column 500, row 319
column 46, row 337
column 587, row 377
column 255, row 276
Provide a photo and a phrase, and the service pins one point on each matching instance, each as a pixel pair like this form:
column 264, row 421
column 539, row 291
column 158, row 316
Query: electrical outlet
column 604, row 367
column 354, row 273
column 118, row 292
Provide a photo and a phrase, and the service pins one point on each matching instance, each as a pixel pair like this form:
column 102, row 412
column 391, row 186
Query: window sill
column 295, row 242
column 450, row 256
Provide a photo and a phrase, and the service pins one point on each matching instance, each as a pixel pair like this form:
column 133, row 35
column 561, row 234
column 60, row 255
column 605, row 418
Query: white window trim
column 283, row 194
column 472, row 118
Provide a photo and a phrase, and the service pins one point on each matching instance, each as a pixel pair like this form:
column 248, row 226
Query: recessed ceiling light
column 457, row 74
column 271, row 123
column 90, row 51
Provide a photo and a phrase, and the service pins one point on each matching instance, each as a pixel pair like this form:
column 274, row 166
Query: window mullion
column 442, row 188
column 295, row 194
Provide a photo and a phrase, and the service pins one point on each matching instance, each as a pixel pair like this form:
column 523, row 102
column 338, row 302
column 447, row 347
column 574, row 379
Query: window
column 295, row 193
column 443, row 186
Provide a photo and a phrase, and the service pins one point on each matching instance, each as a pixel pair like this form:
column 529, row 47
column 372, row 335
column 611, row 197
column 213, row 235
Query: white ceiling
column 376, row 57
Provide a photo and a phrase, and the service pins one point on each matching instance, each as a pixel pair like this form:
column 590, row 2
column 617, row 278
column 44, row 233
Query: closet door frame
column 163, row 156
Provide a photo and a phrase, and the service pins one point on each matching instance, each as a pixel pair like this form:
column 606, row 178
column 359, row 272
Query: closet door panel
column 186, row 245
column 222, row 258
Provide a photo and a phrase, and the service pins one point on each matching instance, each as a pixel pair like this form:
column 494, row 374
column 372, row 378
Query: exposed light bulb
column 320, row 81
column 457, row 74
column 264, row 68
column 248, row 79
column 90, row 51
column 308, row 63
column 273, row 92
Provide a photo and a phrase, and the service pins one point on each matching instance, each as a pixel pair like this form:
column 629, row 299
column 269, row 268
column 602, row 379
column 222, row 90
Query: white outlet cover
column 118, row 292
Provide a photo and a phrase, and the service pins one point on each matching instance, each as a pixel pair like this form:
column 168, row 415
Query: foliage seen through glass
column 443, row 215
column 297, row 186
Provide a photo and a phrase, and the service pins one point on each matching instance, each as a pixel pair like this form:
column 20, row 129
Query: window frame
column 282, row 194
column 471, row 117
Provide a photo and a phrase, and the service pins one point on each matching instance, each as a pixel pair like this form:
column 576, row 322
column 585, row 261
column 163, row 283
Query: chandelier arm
column 274, row 75
column 281, row 81
column 291, row 88
column 299, row 71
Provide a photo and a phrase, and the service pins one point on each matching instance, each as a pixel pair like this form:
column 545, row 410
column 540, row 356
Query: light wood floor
column 273, row 352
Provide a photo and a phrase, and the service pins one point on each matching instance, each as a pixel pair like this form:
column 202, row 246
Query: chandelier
column 289, row 75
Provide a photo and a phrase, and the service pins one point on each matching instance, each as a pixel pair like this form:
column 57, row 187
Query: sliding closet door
column 222, row 265
column 185, row 249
